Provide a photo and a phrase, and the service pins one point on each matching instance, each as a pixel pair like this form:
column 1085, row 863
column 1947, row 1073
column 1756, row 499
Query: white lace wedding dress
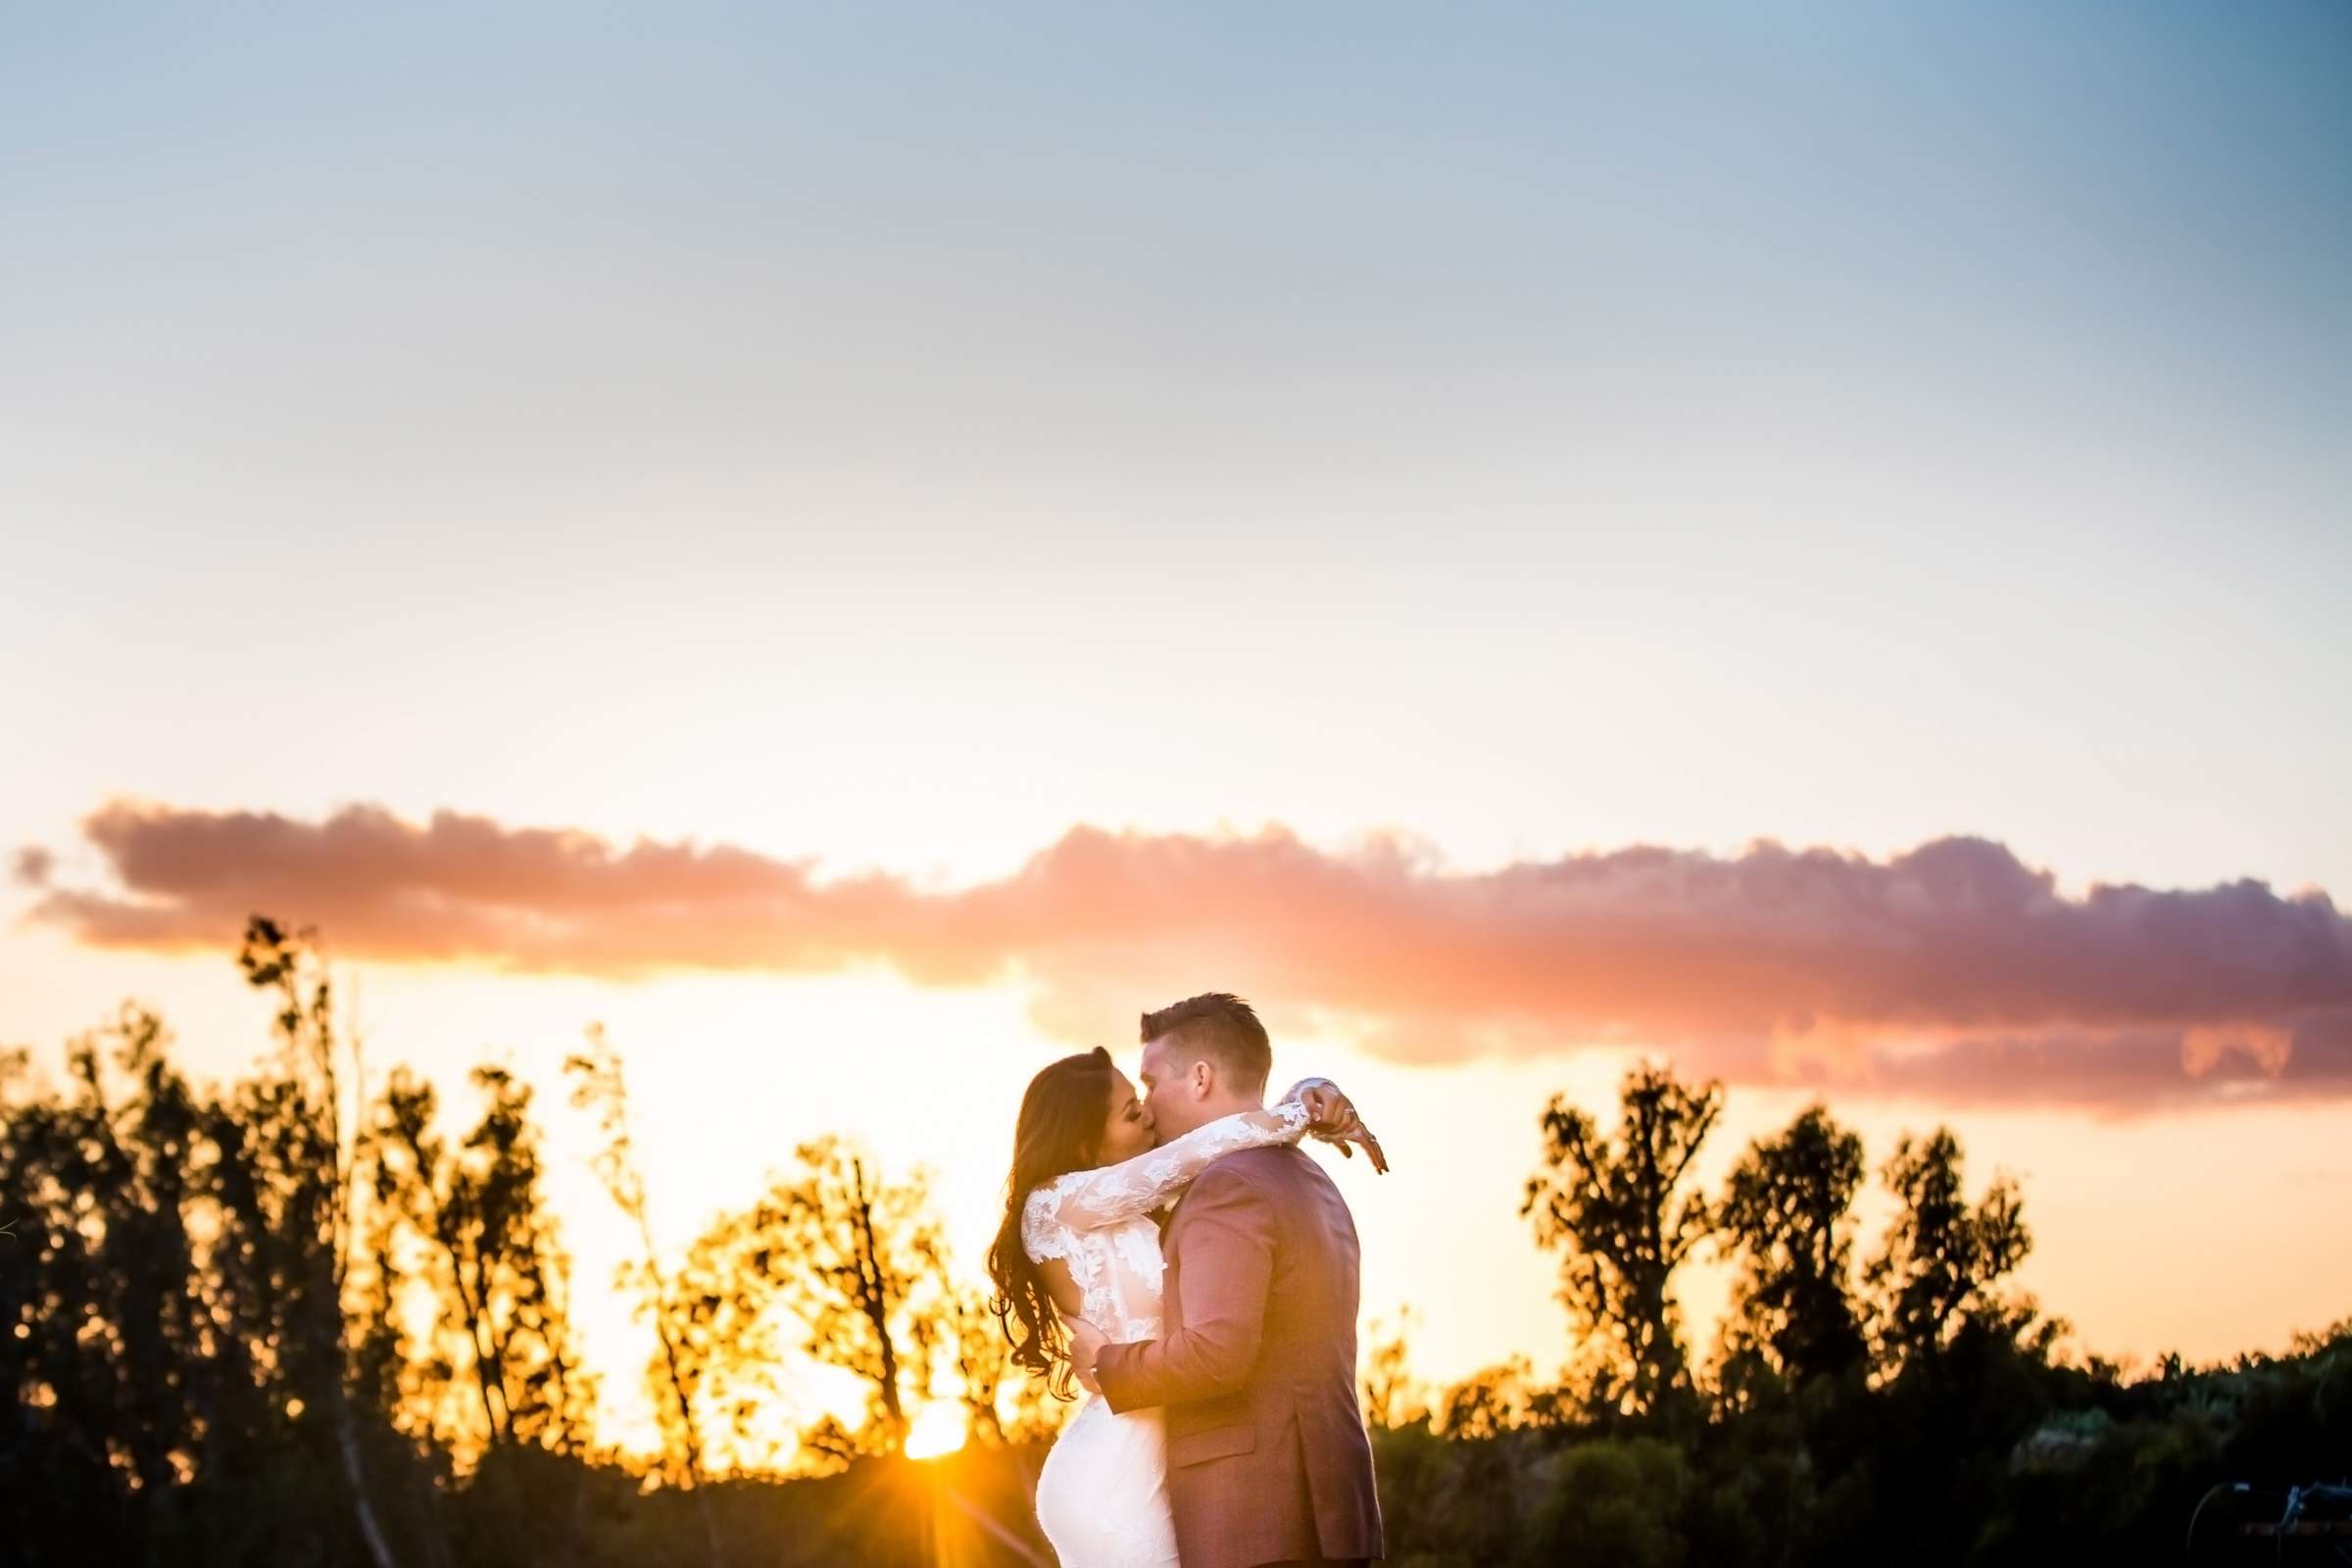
column 1102, row 1496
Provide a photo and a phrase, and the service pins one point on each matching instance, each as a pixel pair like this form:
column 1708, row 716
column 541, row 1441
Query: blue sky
column 1947, row 402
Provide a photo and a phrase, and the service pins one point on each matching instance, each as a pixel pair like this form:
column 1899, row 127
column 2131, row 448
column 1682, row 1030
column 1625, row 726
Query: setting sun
column 936, row 1433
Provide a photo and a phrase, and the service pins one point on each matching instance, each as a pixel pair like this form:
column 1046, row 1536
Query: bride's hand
column 1332, row 1117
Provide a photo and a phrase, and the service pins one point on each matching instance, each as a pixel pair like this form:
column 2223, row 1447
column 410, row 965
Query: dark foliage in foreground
column 1987, row 1456
column 1984, row 1453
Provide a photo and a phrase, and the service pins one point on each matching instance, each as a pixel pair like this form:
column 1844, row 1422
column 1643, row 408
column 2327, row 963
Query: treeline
column 292, row 1320
column 284, row 1322
column 1905, row 1405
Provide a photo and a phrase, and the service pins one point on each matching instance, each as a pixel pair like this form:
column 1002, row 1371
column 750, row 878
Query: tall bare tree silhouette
column 315, row 1156
column 859, row 1261
column 600, row 1084
column 1616, row 1212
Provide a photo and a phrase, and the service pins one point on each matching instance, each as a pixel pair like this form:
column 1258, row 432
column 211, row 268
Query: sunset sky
column 863, row 548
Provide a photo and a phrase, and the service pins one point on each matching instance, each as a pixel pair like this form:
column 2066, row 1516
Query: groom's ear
column 1204, row 1078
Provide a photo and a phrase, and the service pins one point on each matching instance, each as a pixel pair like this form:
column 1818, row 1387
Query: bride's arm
column 1109, row 1194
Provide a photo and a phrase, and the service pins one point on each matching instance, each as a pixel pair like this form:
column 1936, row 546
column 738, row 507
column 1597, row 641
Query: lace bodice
column 1099, row 1223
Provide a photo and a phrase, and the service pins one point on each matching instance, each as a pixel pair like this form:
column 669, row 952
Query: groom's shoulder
column 1265, row 1170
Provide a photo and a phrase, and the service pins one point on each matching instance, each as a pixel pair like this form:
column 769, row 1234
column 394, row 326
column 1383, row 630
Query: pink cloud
column 1953, row 970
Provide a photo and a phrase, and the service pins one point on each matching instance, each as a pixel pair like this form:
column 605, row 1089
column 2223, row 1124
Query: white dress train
column 1102, row 1496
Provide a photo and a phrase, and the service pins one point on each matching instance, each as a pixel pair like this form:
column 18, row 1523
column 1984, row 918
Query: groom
column 1256, row 1362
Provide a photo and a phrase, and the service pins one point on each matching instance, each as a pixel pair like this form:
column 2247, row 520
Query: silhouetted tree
column 191, row 1365
column 1494, row 1399
column 732, row 1344
column 979, row 1356
column 1942, row 1258
column 601, row 1085
column 1787, row 1215
column 858, row 1260
column 491, row 1256
column 1387, row 1390
column 110, row 1401
column 312, row 1156
column 1616, row 1213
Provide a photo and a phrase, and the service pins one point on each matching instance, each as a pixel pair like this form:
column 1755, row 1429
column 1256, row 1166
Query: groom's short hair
column 1222, row 1028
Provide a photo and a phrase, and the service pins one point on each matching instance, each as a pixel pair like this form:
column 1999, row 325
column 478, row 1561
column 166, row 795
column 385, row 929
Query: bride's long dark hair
column 1059, row 1130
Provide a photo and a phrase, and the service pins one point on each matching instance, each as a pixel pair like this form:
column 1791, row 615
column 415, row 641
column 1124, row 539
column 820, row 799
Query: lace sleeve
column 1085, row 1200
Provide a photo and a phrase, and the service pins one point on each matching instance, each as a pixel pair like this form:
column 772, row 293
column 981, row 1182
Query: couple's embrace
column 1225, row 1431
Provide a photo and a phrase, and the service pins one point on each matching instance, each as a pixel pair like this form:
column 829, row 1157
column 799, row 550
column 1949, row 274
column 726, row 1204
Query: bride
column 1078, row 1239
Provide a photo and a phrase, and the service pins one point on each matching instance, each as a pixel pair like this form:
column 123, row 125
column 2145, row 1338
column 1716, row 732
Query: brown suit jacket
column 1255, row 1363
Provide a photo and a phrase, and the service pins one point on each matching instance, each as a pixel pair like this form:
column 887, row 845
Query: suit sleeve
column 1226, row 1232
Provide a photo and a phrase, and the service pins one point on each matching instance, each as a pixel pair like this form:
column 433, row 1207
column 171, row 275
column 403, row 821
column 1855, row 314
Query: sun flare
column 936, row 1433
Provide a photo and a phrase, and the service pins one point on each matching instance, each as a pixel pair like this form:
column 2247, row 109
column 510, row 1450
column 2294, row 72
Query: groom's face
column 1170, row 1093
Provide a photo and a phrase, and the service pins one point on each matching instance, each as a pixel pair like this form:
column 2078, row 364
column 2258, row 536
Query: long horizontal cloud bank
column 1953, row 970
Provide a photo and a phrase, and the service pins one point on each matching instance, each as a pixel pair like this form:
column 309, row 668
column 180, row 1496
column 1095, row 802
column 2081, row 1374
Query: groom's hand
column 1086, row 1342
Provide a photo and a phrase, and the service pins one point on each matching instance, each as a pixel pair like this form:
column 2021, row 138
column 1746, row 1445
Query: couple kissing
column 1222, row 1428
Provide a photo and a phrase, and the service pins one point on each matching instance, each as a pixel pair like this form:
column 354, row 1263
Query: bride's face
column 1127, row 1128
